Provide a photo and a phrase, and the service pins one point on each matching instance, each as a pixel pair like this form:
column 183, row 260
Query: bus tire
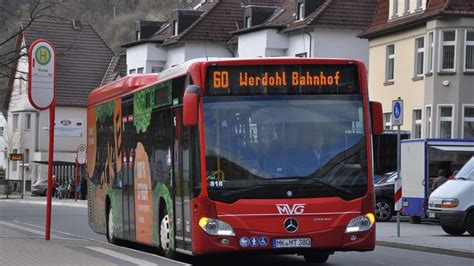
column 110, row 226
column 165, row 238
column 454, row 231
column 470, row 223
column 316, row 257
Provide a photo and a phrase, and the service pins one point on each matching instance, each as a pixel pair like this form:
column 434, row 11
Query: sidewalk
column 427, row 237
column 19, row 247
column 41, row 200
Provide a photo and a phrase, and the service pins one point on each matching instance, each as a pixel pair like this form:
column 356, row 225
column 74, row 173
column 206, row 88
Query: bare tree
column 10, row 14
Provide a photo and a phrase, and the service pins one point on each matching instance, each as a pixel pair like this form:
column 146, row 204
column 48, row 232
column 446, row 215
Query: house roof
column 337, row 14
column 82, row 59
column 219, row 19
column 434, row 8
column 117, row 68
column 222, row 19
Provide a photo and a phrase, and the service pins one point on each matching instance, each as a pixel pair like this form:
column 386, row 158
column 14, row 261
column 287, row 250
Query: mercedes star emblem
column 291, row 225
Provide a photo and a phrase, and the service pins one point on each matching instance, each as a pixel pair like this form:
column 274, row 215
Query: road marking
column 121, row 256
column 104, row 242
column 26, row 229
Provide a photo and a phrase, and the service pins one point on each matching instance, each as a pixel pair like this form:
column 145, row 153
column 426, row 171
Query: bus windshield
column 285, row 146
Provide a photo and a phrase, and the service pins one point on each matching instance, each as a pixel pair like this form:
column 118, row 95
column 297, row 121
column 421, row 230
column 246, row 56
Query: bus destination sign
column 283, row 79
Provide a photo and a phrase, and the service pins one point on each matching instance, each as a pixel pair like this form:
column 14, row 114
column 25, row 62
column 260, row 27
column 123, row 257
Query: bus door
column 181, row 182
column 128, row 197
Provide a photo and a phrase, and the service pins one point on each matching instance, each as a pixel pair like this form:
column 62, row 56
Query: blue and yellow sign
column 43, row 55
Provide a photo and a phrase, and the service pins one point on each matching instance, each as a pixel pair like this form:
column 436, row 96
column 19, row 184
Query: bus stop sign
column 41, row 74
column 397, row 112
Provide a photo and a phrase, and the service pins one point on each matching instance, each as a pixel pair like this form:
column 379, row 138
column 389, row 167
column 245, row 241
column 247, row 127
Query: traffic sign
column 397, row 112
column 81, row 154
column 16, row 157
column 41, row 74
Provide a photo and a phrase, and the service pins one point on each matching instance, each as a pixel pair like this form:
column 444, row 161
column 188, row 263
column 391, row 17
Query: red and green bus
column 267, row 155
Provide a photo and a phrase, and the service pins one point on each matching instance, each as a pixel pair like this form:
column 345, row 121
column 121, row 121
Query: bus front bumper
column 331, row 239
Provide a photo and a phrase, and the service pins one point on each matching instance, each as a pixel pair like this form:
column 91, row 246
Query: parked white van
column 453, row 202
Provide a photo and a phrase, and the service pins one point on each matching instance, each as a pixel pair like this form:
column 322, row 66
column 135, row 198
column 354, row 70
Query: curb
column 442, row 251
column 54, row 203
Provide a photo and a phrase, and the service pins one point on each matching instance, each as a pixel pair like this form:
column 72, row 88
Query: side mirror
column 190, row 105
column 376, row 118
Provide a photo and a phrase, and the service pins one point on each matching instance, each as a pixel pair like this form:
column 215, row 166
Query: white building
column 82, row 59
column 257, row 28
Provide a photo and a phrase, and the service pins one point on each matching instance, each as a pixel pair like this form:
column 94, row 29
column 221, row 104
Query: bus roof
column 130, row 83
column 120, row 87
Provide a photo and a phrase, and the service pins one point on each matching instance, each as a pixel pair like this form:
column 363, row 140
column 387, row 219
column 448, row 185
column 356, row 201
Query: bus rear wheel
column 165, row 236
column 316, row 257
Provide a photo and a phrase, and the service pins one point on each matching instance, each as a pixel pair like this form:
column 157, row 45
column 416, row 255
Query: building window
column 175, row 27
column 387, row 121
column 390, row 64
column 394, row 8
column 468, row 122
column 430, row 52
column 418, row 4
column 448, row 50
column 28, row 122
column 417, row 121
column 445, row 121
column 14, row 163
column 248, row 22
column 156, row 69
column 1, row 131
column 26, row 157
column 300, row 11
column 140, row 70
column 428, row 122
column 419, row 56
column 16, row 118
column 132, row 71
column 469, row 51
column 407, row 7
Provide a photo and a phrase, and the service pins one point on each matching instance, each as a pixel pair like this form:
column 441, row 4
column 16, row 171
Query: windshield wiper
column 317, row 180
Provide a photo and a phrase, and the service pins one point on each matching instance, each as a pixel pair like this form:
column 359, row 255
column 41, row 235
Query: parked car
column 40, row 187
column 453, row 202
column 384, row 203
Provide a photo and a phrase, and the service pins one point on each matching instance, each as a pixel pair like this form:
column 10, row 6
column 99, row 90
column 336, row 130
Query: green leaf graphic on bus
column 142, row 106
column 104, row 110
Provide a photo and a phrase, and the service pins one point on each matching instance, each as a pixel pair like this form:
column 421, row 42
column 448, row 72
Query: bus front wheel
column 316, row 257
column 165, row 237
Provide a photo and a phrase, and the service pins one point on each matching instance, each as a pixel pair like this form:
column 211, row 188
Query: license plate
column 292, row 243
column 431, row 215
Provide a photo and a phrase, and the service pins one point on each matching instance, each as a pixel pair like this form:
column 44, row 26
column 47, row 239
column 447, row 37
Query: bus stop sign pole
column 41, row 91
column 397, row 118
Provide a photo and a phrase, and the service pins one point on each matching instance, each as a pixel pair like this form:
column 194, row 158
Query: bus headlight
column 361, row 223
column 216, row 227
column 449, row 203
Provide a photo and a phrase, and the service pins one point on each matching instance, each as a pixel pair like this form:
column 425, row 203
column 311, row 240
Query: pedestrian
column 440, row 179
column 83, row 188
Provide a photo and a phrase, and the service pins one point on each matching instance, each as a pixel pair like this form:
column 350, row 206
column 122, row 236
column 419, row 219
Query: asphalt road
column 73, row 221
